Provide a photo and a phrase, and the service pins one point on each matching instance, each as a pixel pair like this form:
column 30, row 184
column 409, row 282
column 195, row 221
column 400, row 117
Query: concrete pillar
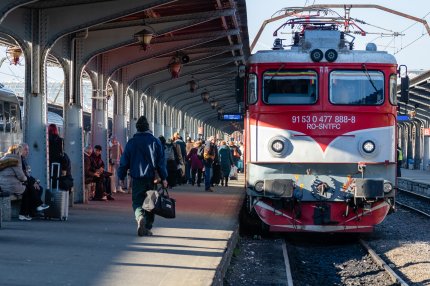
column 99, row 130
column 426, row 156
column 35, row 110
column 119, row 128
column 73, row 146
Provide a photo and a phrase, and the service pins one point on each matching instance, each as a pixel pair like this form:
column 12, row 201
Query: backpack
column 169, row 153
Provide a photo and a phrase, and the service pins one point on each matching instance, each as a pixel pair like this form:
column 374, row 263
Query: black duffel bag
column 160, row 203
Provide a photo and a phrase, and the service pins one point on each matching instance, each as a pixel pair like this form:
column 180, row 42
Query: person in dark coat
column 99, row 166
column 172, row 161
column 56, row 145
column 31, row 198
column 143, row 156
column 226, row 161
column 89, row 173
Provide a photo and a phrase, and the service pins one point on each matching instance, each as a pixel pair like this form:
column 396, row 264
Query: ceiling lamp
column 193, row 85
column 14, row 54
column 205, row 96
column 144, row 38
column 175, row 67
column 214, row 103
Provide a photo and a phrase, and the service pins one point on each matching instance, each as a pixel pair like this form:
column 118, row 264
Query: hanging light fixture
column 175, row 67
column 214, row 103
column 144, row 38
column 14, row 54
column 205, row 96
column 193, row 85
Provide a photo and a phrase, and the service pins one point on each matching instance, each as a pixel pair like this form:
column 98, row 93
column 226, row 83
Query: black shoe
column 110, row 198
column 147, row 232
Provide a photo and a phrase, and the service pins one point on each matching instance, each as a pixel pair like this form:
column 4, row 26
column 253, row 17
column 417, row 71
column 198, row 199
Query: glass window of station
column 290, row 87
column 356, row 87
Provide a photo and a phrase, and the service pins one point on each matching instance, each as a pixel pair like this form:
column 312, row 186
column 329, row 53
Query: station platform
column 98, row 245
column 415, row 180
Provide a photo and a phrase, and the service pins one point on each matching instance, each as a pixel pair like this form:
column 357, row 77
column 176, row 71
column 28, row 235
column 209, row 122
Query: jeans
column 30, row 201
column 188, row 172
column 193, row 176
column 139, row 188
column 208, row 171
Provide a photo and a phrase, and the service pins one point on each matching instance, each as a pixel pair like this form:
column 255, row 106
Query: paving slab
column 98, row 244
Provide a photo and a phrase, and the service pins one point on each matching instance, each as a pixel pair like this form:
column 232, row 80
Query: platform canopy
column 195, row 45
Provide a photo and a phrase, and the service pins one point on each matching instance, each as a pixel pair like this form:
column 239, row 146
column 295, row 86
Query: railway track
column 414, row 202
column 337, row 263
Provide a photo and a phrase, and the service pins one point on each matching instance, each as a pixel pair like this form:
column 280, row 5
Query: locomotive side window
column 14, row 113
column 1, row 117
column 290, row 87
column 252, row 89
column 393, row 89
column 6, row 116
column 357, row 87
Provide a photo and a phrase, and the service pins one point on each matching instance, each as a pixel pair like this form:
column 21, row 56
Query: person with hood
column 14, row 180
column 143, row 156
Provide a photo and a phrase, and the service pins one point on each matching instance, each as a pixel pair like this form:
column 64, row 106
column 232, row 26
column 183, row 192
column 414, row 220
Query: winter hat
column 142, row 124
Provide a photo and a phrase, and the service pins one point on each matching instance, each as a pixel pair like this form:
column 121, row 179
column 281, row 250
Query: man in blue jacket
column 144, row 156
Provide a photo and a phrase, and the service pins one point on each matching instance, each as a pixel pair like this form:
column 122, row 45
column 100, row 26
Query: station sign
column 231, row 117
column 403, row 117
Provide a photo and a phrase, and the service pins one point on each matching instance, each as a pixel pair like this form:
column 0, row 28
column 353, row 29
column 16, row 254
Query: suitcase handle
column 58, row 166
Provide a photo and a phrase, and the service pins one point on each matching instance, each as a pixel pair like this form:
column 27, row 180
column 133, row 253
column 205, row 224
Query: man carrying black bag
column 143, row 155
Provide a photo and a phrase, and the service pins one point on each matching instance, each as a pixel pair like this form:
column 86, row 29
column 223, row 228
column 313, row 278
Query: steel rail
column 413, row 209
column 378, row 260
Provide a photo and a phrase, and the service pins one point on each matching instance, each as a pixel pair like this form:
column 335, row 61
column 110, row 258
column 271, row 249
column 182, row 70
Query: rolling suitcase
column 58, row 200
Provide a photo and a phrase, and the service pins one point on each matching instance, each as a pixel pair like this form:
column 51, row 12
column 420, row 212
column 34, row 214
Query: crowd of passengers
column 189, row 162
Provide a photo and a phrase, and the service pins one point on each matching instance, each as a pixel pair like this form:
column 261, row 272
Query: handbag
column 160, row 203
column 233, row 173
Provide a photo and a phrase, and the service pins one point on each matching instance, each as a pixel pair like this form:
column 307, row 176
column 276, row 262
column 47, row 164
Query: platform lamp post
column 144, row 38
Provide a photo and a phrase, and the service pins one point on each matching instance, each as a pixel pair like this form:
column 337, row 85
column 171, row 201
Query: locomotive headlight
column 368, row 146
column 388, row 187
column 259, row 186
column 278, row 146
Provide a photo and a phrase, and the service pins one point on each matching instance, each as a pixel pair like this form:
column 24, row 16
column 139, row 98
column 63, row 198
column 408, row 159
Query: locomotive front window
column 290, row 87
column 357, row 87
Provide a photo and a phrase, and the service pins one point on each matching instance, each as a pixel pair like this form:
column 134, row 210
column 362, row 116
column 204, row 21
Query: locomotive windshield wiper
column 364, row 68
column 377, row 91
column 276, row 73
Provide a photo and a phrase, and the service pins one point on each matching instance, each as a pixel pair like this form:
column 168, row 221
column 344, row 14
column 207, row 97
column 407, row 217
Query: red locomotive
column 320, row 133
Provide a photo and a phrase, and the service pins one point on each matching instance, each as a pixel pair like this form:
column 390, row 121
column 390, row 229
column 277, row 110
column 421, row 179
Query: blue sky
column 410, row 49
column 414, row 55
